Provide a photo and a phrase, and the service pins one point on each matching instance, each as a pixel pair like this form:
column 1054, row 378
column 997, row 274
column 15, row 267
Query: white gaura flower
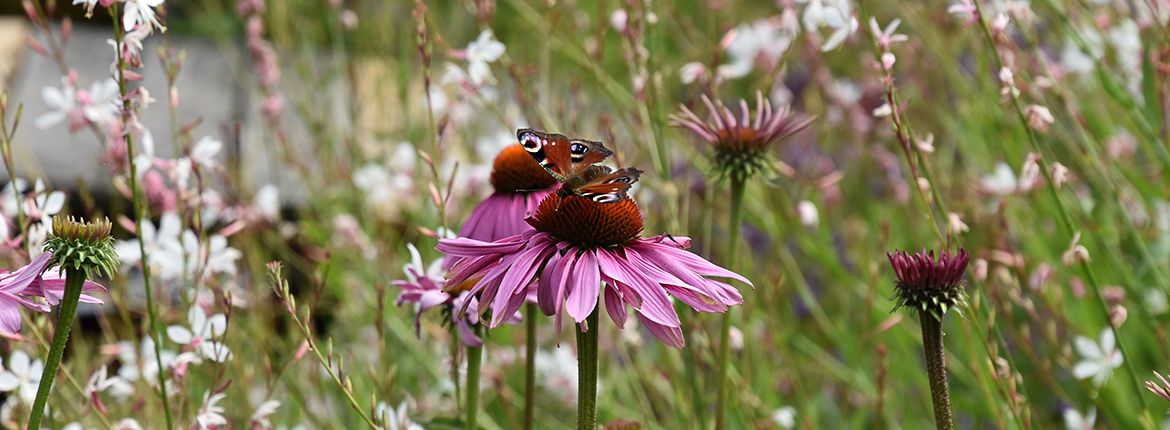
column 1098, row 360
column 101, row 381
column 761, row 40
column 481, row 52
column 215, row 257
column 88, row 4
column 129, row 53
column 1000, row 182
column 1156, row 303
column 100, row 103
column 1074, row 60
column 201, row 333
column 267, row 202
column 886, row 36
column 205, row 151
column 141, row 12
column 43, row 205
column 260, row 418
column 387, row 190
column 1073, row 420
column 691, row 72
column 784, row 417
column 62, row 104
column 126, row 424
column 835, row 15
column 11, row 194
column 394, row 419
column 162, row 245
column 210, row 414
column 558, row 372
column 23, row 376
column 1126, row 39
column 141, row 363
column 808, row 213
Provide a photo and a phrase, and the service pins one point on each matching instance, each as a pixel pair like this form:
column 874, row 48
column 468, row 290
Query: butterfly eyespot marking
column 605, row 198
column 531, row 142
column 578, row 151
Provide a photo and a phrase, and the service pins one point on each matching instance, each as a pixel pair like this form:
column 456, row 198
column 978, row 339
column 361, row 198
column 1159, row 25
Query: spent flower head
column 740, row 145
column 927, row 281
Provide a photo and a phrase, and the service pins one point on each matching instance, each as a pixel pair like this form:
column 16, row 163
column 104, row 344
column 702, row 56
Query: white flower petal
column 8, row 381
column 180, row 334
column 1087, row 348
column 1087, row 369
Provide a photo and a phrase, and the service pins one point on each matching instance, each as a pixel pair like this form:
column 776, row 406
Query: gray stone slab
column 209, row 89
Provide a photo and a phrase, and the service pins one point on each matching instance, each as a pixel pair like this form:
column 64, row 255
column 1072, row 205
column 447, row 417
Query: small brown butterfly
column 572, row 163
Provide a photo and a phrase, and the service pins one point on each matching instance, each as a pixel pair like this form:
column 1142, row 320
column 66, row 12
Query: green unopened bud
column 83, row 245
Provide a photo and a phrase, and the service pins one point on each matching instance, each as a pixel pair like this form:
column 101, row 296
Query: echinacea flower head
column 927, row 281
column 83, row 245
column 519, row 184
column 582, row 252
column 740, row 143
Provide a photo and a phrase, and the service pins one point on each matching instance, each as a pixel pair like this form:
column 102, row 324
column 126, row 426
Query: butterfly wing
column 560, row 156
column 607, row 187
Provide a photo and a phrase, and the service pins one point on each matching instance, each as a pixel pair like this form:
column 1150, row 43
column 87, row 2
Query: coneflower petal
column 615, row 307
column 586, row 282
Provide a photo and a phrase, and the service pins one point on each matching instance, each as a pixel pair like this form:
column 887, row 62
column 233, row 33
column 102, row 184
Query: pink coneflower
column 740, row 144
column 520, row 184
column 929, row 282
column 28, row 285
column 577, row 244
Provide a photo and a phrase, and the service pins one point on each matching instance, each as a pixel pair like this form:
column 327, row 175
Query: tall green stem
column 474, row 358
column 530, row 313
column 74, row 279
column 137, row 206
column 737, row 191
column 936, row 369
column 587, row 373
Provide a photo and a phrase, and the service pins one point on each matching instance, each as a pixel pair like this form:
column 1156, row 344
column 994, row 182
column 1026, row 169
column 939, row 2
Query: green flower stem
column 474, row 359
column 737, row 192
column 530, row 313
column 74, row 279
column 454, row 371
column 587, row 373
column 137, row 206
column 936, row 369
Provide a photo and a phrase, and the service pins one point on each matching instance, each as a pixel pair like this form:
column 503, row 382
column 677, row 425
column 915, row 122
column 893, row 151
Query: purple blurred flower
column 24, row 286
column 423, row 287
